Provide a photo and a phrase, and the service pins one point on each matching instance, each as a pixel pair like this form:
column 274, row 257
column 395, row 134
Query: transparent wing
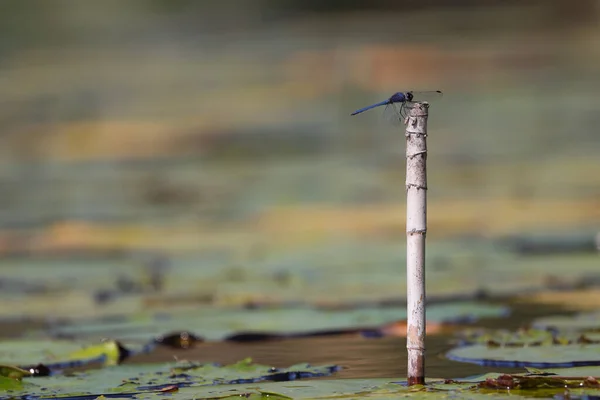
column 394, row 113
column 430, row 95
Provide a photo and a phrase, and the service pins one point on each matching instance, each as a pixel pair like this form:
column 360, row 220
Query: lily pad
column 526, row 337
column 56, row 354
column 22, row 352
column 323, row 272
column 142, row 380
column 543, row 356
column 9, row 371
column 218, row 324
column 193, row 381
column 583, row 322
column 10, row 384
column 569, row 372
column 328, row 389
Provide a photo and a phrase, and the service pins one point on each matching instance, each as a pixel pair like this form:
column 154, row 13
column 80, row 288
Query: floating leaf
column 343, row 388
column 525, row 337
column 185, row 380
column 10, row 384
column 579, row 323
column 568, row 372
column 544, row 356
column 25, row 352
column 8, row 371
column 57, row 354
column 490, row 337
column 217, row 324
column 109, row 352
column 144, row 380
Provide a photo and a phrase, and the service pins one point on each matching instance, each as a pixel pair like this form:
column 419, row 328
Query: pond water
column 366, row 363
column 360, row 357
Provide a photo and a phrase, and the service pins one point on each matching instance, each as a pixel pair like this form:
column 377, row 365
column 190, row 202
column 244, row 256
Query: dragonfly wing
column 393, row 113
column 430, row 95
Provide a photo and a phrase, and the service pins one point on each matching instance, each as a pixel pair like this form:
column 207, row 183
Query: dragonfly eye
column 409, row 96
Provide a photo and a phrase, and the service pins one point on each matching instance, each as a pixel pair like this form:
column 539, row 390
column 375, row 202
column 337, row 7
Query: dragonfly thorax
column 400, row 97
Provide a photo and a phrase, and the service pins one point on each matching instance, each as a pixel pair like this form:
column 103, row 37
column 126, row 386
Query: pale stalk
column 416, row 229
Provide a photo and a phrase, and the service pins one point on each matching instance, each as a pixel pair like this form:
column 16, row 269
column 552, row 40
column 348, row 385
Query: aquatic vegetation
column 238, row 324
column 555, row 341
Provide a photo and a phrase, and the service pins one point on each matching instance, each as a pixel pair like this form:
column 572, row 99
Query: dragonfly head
column 409, row 96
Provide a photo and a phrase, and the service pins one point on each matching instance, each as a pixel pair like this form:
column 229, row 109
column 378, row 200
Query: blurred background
column 175, row 152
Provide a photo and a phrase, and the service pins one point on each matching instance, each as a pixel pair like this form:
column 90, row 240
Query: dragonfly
column 400, row 102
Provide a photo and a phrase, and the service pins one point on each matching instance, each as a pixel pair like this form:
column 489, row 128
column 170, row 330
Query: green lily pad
column 185, row 380
column 109, row 351
column 462, row 311
column 492, row 337
column 327, row 272
column 536, row 383
column 568, row 372
column 543, row 356
column 128, row 380
column 60, row 353
column 217, row 324
column 525, row 337
column 10, row 384
column 321, row 389
column 583, row 322
column 9, row 371
column 23, row 352
column 178, row 384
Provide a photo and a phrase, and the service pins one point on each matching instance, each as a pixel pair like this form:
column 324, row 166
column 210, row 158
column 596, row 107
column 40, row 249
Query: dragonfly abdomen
column 382, row 103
